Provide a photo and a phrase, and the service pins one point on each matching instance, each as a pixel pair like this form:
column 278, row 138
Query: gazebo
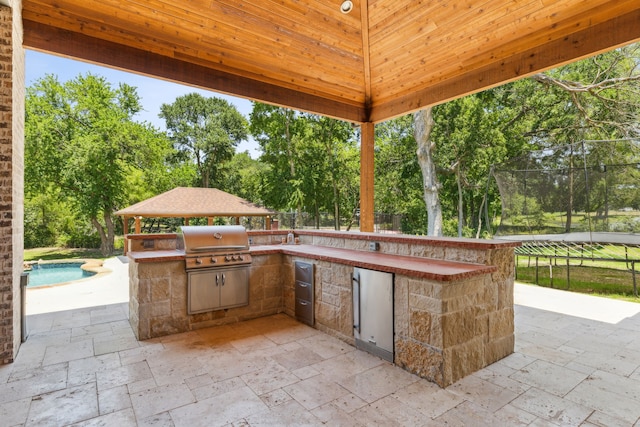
column 192, row 202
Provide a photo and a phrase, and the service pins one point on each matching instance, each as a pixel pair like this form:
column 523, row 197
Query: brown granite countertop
column 427, row 268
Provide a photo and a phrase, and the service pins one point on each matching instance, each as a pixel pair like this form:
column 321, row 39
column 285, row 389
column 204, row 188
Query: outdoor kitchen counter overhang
column 453, row 298
column 426, row 268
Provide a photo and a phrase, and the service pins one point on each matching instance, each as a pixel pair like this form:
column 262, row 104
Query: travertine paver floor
column 572, row 366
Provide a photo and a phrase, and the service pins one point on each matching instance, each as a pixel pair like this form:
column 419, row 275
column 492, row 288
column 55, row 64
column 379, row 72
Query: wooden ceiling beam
column 620, row 31
column 85, row 48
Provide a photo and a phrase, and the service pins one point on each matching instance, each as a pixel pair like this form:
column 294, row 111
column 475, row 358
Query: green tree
column 596, row 98
column 311, row 162
column 205, row 132
column 280, row 132
column 80, row 137
column 243, row 177
column 593, row 99
column 332, row 165
column 398, row 180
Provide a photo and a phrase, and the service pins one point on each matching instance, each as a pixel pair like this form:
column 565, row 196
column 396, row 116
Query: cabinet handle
column 216, row 280
column 303, row 302
column 355, row 283
column 223, row 278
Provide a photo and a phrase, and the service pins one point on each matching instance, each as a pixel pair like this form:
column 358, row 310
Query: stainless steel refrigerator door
column 373, row 311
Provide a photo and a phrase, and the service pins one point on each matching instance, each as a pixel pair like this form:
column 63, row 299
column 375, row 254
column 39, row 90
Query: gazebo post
column 267, row 222
column 209, row 220
column 137, row 224
column 125, row 231
column 237, row 220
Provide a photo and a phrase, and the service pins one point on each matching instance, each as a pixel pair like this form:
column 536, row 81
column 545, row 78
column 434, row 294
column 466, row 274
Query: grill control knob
column 198, row 261
column 213, row 260
column 240, row 258
column 227, row 258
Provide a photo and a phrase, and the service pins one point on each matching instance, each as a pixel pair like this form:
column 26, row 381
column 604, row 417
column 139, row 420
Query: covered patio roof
column 382, row 59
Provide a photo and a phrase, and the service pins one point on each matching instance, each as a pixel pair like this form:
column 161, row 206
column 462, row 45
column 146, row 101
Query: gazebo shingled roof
column 189, row 202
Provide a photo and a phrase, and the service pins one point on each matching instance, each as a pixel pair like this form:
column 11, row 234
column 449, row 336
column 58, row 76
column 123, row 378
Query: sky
column 153, row 92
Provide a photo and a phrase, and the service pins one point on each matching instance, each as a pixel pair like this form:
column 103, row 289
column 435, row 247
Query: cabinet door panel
column 234, row 287
column 376, row 308
column 204, row 293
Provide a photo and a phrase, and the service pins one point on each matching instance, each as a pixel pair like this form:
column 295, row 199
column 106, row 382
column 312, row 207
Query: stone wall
column 151, row 242
column 158, row 297
column 333, row 306
column 11, row 177
column 447, row 330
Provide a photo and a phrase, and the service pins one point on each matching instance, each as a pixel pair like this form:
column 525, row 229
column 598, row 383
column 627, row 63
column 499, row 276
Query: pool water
column 50, row 274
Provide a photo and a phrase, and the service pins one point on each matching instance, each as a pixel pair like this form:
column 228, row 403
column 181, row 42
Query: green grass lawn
column 608, row 282
column 63, row 253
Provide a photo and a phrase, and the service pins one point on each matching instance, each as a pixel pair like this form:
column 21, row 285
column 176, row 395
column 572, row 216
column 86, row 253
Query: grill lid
column 199, row 239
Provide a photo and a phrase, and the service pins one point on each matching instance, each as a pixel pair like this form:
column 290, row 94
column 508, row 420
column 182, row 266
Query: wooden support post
column 138, row 227
column 267, row 223
column 210, row 220
column 366, row 176
column 125, row 231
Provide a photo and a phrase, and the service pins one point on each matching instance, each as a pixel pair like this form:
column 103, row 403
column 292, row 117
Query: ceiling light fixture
column 346, row 6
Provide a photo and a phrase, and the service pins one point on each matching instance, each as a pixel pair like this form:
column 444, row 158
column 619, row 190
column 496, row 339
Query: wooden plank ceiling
column 383, row 59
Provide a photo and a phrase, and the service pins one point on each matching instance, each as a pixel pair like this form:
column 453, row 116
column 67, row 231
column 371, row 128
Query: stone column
column 12, row 89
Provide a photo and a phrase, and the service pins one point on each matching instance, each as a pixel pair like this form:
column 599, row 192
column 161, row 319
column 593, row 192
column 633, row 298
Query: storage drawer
column 304, row 272
column 304, row 311
column 304, row 291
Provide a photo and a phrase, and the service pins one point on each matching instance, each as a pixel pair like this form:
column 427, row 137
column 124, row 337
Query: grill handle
column 217, row 248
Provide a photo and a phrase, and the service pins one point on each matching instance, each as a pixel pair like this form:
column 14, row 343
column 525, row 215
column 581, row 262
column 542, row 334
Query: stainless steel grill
column 217, row 262
column 207, row 246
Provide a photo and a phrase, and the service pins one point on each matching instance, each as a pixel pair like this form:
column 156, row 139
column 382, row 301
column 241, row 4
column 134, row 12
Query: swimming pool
column 54, row 273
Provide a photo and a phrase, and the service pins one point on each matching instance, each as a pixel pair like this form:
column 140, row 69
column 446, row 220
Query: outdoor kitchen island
column 452, row 298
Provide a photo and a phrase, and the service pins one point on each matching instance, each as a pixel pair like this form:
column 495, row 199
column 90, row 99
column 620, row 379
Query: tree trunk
column 104, row 241
column 111, row 233
column 423, row 124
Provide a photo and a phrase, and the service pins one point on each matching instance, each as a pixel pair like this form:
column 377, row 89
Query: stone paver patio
column 577, row 362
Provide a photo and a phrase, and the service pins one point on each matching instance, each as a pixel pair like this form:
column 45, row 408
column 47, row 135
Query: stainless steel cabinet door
column 374, row 309
column 234, row 286
column 204, row 293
